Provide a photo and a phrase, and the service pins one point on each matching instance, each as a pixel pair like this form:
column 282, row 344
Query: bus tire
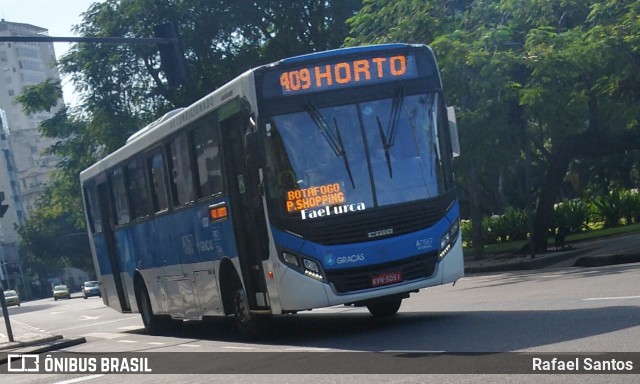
column 385, row 308
column 153, row 324
column 248, row 325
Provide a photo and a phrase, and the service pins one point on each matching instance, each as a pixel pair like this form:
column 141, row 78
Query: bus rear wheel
column 384, row 308
column 154, row 324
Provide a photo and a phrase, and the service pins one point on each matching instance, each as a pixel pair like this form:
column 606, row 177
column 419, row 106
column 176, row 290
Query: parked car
column 61, row 292
column 11, row 298
column 91, row 288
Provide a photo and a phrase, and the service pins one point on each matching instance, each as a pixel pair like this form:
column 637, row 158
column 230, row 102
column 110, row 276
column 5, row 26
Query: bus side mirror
column 453, row 132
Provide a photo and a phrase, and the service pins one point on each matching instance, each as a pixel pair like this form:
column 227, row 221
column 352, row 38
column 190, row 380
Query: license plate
column 386, row 278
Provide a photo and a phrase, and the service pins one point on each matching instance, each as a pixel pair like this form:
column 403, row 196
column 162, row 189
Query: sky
column 58, row 16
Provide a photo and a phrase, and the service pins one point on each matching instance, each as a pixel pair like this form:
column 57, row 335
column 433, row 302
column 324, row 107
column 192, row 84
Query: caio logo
column 382, row 232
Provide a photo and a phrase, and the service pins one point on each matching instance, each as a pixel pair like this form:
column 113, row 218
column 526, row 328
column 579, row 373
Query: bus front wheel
column 384, row 308
column 247, row 324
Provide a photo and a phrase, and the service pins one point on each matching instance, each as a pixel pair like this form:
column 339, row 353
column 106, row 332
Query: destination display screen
column 339, row 74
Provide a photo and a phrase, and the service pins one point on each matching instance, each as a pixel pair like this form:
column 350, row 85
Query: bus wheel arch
column 229, row 284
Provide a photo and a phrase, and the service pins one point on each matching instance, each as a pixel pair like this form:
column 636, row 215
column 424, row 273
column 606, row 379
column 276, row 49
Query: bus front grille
column 356, row 279
column 348, row 231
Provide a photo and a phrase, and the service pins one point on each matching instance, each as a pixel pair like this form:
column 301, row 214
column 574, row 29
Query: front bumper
column 93, row 292
column 12, row 302
column 319, row 294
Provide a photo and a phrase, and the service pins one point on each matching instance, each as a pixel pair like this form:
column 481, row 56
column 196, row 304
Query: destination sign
column 299, row 199
column 341, row 74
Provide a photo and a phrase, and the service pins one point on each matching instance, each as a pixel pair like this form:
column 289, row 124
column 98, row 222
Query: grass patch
column 518, row 246
column 604, row 232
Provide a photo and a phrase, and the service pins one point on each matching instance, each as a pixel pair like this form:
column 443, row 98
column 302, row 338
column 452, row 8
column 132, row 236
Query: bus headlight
column 311, row 265
column 312, row 269
column 307, row 267
column 290, row 259
column 449, row 238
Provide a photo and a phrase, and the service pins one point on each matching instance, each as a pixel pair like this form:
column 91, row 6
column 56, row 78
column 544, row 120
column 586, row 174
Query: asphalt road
column 555, row 311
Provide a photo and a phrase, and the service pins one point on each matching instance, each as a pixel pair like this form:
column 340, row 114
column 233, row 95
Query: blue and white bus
column 318, row 180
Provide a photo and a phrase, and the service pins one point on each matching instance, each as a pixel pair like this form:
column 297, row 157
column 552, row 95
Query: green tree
column 54, row 235
column 537, row 83
column 583, row 92
column 478, row 61
column 123, row 87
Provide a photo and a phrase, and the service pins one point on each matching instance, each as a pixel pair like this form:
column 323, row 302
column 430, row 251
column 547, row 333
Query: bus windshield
column 354, row 157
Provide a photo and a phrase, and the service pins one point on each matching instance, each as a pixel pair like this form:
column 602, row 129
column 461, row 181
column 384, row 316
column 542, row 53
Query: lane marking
column 189, row 345
column 80, row 379
column 308, row 349
column 245, row 348
column 156, row 343
column 127, row 341
column 104, row 335
column 130, row 328
column 411, row 351
column 94, row 324
column 612, row 298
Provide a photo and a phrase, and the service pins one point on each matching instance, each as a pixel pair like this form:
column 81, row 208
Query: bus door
column 246, row 209
column 109, row 236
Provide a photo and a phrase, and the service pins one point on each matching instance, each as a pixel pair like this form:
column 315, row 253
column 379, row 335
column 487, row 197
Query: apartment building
column 24, row 168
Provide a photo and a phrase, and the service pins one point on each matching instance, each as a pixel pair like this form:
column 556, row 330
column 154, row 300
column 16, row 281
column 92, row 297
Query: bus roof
column 174, row 120
column 346, row 51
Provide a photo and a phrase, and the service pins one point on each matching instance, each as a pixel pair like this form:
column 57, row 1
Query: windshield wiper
column 386, row 146
column 396, row 108
column 335, row 143
column 344, row 153
column 389, row 140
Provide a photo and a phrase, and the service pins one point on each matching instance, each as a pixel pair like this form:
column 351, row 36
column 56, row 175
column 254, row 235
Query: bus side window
column 180, row 175
column 93, row 207
column 119, row 193
column 138, row 196
column 208, row 164
column 159, row 198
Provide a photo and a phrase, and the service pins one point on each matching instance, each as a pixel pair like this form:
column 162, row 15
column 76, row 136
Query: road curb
column 599, row 261
column 28, row 343
column 541, row 261
column 36, row 346
column 545, row 261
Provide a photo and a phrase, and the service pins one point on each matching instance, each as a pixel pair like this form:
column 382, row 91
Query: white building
column 9, row 186
column 24, row 169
